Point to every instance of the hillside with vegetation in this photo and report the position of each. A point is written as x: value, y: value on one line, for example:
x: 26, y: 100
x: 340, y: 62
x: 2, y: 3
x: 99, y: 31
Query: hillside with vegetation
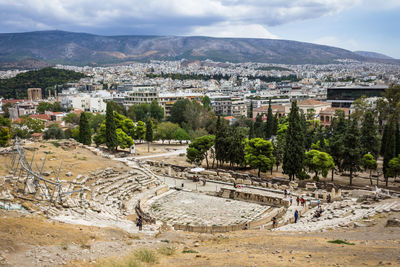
x: 59, y: 47
x: 47, y: 77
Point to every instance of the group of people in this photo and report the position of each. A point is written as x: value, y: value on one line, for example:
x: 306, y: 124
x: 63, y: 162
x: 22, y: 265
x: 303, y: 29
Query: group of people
x: 318, y: 212
x: 197, y: 179
x: 235, y: 185
x: 300, y: 200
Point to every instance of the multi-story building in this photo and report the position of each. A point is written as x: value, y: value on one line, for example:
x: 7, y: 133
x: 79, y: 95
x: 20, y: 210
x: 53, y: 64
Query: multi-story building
x: 228, y: 105
x: 345, y: 96
x: 141, y: 95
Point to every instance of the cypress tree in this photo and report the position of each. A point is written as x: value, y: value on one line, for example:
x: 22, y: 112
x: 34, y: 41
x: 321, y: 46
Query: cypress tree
x: 384, y: 138
x: 258, y: 125
x: 352, y: 149
x: 251, y: 131
x: 294, y: 153
x: 250, y: 115
x: 390, y: 148
x: 111, y: 135
x: 397, y: 139
x: 275, y: 126
x: 270, y: 122
x: 220, y: 142
x: 149, y: 133
x: 84, y: 130
x: 369, y: 135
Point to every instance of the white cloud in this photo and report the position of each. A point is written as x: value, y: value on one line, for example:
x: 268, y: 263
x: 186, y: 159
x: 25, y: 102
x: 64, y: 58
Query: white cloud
x: 208, y: 17
x: 350, y: 44
x: 226, y: 29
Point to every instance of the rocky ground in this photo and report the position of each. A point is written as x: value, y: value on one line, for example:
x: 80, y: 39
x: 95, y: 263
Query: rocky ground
x: 97, y: 226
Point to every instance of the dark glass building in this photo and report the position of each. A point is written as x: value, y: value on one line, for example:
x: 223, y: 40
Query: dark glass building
x: 344, y: 96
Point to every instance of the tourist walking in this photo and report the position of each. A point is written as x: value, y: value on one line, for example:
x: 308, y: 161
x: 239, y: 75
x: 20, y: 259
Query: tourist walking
x: 296, y: 216
x: 298, y: 200
x: 139, y: 223
x: 290, y: 200
x: 274, y: 222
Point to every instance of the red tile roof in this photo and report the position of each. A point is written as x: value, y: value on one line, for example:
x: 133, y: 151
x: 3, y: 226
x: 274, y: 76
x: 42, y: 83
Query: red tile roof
x: 45, y: 117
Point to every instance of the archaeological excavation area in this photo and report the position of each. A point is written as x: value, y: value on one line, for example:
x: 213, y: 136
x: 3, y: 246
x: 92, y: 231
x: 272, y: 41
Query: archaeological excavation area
x: 171, y: 200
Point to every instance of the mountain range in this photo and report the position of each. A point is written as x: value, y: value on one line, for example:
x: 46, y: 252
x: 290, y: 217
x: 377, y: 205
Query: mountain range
x: 43, y: 48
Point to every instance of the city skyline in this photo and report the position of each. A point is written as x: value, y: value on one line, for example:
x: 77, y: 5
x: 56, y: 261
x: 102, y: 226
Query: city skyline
x: 367, y: 25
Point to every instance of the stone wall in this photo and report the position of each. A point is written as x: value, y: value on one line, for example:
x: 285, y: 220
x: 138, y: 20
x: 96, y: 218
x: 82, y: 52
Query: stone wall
x: 251, y: 197
x: 229, y: 228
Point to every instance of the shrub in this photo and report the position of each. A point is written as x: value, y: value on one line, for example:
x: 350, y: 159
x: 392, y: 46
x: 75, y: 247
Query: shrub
x: 338, y: 241
x: 167, y: 250
x: 145, y: 255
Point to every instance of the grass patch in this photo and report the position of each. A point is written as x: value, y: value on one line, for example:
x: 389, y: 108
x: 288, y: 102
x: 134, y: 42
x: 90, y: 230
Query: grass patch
x: 338, y: 241
x: 85, y: 246
x: 134, y: 237
x: 189, y: 251
x: 145, y: 255
x: 83, y: 158
x: 165, y: 241
x: 64, y: 245
x: 167, y: 250
x: 56, y: 144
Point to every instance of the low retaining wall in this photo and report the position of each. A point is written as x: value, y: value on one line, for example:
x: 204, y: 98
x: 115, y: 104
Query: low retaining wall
x: 229, y: 228
x: 251, y: 197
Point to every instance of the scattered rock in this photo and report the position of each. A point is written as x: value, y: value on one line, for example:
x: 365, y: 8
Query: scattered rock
x: 393, y: 222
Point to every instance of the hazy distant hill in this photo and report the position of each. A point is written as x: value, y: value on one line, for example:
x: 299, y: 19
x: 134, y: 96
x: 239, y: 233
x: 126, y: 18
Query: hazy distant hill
x: 81, y: 48
x: 372, y: 55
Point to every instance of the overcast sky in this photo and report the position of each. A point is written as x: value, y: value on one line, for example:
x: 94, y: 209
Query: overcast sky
x: 371, y: 25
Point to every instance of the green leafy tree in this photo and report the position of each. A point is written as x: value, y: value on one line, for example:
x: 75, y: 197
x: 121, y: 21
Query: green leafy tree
x: 294, y: 149
x: 95, y: 121
x: 352, y: 149
x: 5, y: 108
x: 124, y: 123
x: 180, y: 134
x: 369, y: 135
x: 198, y: 150
x: 4, y: 135
x: 338, y: 132
x: 394, y: 167
x: 269, y: 125
x: 205, y: 100
x: 17, y: 86
x: 44, y: 106
x: 149, y: 133
x: 361, y: 107
x: 85, y: 134
x: 369, y: 163
x: 111, y: 136
x: 318, y: 162
x: 72, y: 133
x: 156, y: 111
x: 72, y: 118
x: 53, y: 132
x: 140, y: 131
x: 166, y: 131
x: 258, y: 153
x: 5, y: 122
x: 178, y: 111
x: 124, y: 140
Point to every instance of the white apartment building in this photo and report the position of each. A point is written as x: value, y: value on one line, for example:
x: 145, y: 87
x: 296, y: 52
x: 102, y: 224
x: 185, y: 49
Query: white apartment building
x: 87, y: 102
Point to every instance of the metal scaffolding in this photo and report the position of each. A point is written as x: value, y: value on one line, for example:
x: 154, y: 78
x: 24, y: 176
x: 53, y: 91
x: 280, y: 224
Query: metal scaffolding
x: 33, y: 181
